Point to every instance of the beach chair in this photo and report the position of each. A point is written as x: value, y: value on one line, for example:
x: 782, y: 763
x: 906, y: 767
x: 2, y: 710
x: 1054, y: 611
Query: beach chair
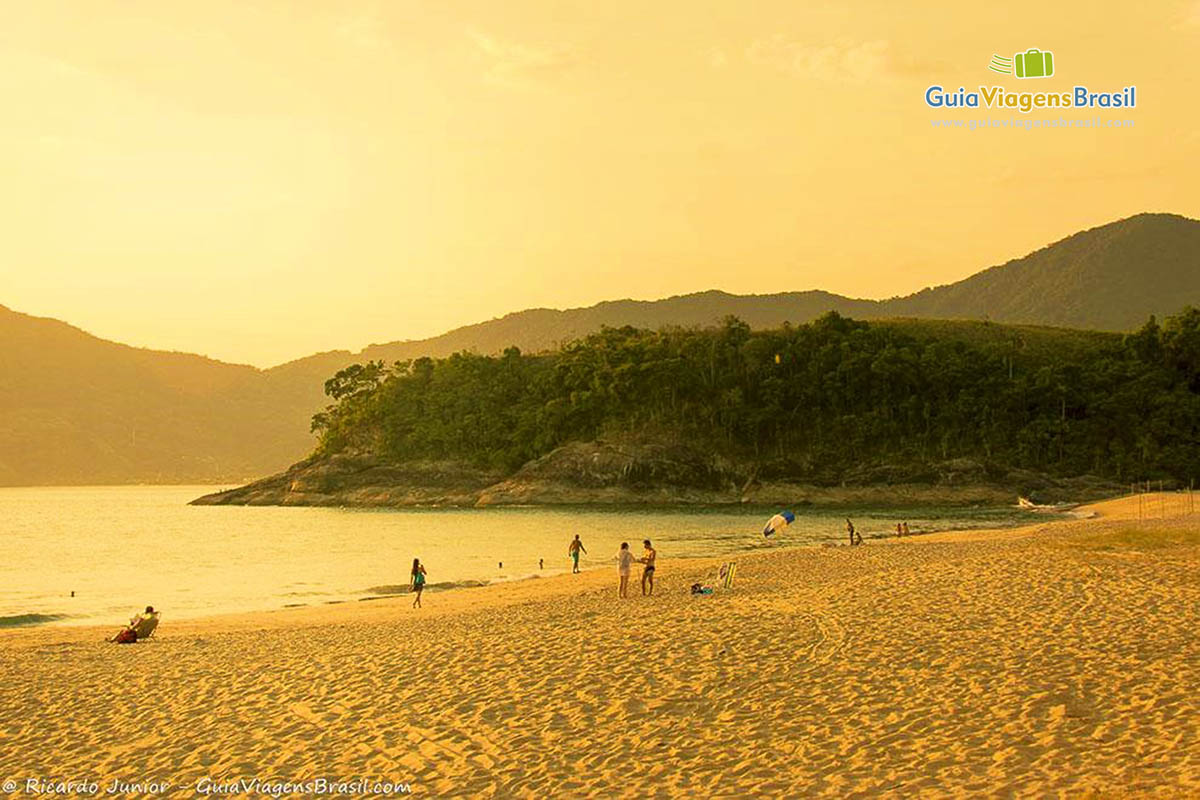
x: 145, y: 625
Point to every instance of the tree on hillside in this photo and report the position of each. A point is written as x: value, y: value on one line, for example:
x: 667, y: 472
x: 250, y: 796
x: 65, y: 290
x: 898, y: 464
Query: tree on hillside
x: 815, y: 402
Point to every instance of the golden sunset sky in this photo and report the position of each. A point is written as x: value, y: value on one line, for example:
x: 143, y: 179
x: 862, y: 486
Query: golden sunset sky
x: 257, y: 181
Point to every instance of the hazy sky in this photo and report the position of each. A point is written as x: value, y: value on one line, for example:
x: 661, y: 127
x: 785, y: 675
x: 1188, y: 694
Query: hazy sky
x: 257, y: 181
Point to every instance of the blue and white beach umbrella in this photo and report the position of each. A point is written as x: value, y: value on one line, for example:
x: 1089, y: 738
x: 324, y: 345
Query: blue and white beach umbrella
x: 778, y: 522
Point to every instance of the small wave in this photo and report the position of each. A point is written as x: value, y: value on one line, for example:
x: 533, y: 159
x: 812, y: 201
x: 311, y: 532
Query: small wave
x: 402, y: 588
x: 391, y: 588
x: 24, y: 620
x: 529, y: 576
x: 442, y: 585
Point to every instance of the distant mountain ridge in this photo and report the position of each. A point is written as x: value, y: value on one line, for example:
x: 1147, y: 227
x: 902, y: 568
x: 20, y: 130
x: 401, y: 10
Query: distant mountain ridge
x: 78, y: 409
x: 1107, y: 278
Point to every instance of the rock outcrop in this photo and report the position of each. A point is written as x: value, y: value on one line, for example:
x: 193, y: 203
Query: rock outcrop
x: 645, y: 472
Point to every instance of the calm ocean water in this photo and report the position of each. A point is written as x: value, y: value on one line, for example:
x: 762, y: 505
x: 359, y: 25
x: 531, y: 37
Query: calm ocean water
x: 121, y: 548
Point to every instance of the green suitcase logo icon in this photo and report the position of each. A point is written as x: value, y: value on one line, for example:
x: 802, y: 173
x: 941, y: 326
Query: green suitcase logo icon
x: 1034, y: 63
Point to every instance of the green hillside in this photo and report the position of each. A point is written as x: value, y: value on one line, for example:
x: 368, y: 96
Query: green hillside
x: 833, y: 400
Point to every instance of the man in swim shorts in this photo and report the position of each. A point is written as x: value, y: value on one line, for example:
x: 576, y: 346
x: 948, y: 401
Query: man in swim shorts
x: 576, y: 547
x: 648, y: 557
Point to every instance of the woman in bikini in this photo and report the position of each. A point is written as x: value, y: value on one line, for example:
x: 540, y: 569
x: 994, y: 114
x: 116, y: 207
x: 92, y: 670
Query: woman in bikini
x: 417, y: 581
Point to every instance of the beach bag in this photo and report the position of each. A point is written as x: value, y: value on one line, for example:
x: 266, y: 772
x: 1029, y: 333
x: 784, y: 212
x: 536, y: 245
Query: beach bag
x: 127, y: 636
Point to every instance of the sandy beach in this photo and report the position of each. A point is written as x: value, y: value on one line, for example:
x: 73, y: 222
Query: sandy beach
x: 1058, y: 659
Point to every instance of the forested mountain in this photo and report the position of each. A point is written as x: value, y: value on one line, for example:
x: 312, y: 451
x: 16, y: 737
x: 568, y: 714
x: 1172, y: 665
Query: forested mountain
x: 832, y: 401
x: 77, y: 409
x: 543, y: 329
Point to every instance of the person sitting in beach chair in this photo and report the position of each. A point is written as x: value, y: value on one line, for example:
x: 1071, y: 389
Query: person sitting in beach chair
x: 141, y: 626
x: 146, y: 623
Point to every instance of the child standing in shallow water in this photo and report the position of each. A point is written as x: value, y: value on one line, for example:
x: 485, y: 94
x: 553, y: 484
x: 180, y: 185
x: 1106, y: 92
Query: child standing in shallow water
x: 417, y: 582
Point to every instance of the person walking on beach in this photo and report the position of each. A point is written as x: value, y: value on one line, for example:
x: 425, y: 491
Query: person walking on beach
x: 574, y: 550
x: 624, y: 566
x: 855, y: 536
x: 906, y: 527
x: 899, y: 530
x: 417, y: 581
x: 648, y: 557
